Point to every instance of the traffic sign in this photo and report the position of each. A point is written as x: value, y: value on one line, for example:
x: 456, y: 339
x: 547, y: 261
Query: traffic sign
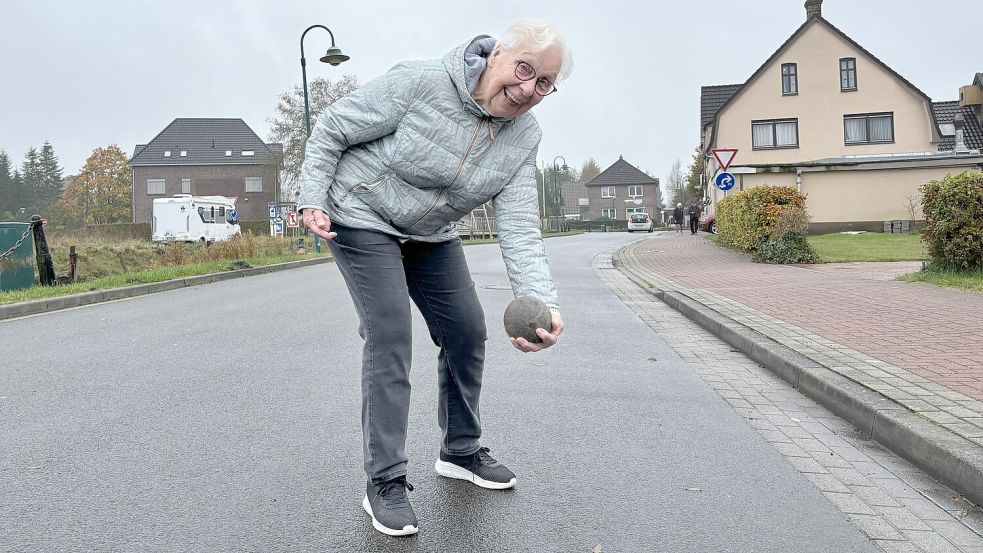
x: 272, y: 208
x: 292, y: 221
x: 724, y: 181
x: 725, y: 156
x: 232, y: 214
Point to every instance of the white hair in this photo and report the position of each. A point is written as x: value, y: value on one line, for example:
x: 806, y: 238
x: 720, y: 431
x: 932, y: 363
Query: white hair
x: 538, y: 36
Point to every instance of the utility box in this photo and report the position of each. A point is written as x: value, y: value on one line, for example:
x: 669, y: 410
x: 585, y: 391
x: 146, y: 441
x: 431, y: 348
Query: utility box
x: 17, y: 267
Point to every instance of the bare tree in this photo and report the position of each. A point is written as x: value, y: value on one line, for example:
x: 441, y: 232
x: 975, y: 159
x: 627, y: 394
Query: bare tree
x: 676, y: 184
x: 913, y: 206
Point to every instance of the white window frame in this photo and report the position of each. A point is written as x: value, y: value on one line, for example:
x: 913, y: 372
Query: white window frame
x: 228, y: 153
x: 633, y: 210
x: 167, y: 153
x: 632, y: 191
x: 773, y: 124
x: 153, y: 185
x: 184, y: 153
x: 609, y: 213
x: 185, y: 186
x: 247, y: 153
x: 608, y: 192
x: 253, y: 184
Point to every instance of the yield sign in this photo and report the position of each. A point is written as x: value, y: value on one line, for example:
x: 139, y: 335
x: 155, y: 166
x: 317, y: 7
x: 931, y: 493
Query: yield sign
x: 725, y: 156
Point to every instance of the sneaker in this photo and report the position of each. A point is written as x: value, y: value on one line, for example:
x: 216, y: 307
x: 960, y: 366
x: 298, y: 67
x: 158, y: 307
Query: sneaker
x: 390, y: 508
x: 479, y: 468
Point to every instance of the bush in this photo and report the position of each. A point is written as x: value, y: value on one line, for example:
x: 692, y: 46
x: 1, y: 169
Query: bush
x: 745, y: 219
x: 953, y: 209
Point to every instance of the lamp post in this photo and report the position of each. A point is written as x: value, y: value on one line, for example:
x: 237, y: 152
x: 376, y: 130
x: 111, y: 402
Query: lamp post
x: 333, y: 56
x: 558, y: 183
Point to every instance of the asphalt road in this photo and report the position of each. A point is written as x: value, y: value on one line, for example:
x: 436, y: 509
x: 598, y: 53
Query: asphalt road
x: 226, y: 418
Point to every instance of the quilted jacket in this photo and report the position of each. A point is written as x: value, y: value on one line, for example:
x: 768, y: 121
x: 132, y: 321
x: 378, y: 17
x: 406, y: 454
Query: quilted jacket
x: 410, y: 152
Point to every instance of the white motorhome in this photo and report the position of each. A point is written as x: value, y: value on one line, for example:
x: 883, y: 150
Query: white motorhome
x: 187, y: 218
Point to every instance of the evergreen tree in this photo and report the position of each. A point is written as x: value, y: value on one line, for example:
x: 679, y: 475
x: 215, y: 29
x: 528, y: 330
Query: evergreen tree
x: 694, y: 188
x: 49, y: 187
x: 30, y: 185
x: 6, y: 184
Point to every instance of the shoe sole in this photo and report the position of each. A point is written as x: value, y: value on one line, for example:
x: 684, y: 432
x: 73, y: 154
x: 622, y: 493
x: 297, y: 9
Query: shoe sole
x: 407, y: 530
x: 450, y: 470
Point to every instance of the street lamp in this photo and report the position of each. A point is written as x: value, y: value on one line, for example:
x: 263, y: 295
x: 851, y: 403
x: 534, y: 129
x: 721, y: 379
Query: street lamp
x: 333, y: 56
x: 558, y: 184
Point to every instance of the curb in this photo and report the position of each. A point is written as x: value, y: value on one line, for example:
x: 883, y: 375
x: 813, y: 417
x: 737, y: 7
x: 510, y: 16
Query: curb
x: 951, y: 459
x: 34, y: 307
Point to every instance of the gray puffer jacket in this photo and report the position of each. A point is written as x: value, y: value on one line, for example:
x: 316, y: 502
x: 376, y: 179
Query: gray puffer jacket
x: 411, y: 151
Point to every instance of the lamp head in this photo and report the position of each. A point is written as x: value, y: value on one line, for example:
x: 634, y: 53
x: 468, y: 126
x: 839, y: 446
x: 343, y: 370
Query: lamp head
x: 334, y: 56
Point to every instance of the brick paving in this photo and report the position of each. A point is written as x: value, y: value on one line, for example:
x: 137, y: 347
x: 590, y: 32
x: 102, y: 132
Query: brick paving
x: 895, y: 504
x: 915, y: 343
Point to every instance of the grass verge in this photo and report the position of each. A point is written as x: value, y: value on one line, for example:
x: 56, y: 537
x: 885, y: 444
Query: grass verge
x: 952, y: 279
x: 869, y: 246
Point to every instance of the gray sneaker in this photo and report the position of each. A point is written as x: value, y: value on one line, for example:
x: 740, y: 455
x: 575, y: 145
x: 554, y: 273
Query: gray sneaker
x: 390, y: 508
x: 479, y: 468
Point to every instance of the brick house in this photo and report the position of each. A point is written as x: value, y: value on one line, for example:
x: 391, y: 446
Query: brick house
x: 207, y: 157
x: 619, y: 191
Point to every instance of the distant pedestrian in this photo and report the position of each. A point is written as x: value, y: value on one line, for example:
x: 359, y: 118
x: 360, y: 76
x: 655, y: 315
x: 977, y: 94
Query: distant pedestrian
x: 677, y: 218
x: 694, y: 217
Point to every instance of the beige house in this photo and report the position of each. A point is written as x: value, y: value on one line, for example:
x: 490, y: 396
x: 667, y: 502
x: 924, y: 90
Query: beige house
x: 826, y: 116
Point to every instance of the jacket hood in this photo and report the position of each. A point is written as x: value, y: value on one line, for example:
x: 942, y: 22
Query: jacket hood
x: 457, y: 66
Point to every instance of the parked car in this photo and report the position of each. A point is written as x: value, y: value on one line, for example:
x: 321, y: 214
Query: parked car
x: 708, y: 223
x: 639, y: 221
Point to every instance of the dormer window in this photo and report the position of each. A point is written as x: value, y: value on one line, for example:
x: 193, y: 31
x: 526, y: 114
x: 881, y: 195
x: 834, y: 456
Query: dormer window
x: 247, y: 153
x: 228, y: 153
x: 848, y: 74
x: 184, y: 153
x: 167, y: 153
x: 790, y: 79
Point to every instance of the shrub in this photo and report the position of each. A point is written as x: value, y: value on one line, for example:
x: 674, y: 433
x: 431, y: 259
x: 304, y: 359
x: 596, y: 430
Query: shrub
x: 953, y: 209
x: 745, y: 220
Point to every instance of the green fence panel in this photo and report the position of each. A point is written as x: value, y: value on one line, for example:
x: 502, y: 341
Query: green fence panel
x: 16, y: 263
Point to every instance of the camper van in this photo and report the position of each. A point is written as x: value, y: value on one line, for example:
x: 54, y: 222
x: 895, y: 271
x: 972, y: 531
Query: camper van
x: 187, y: 218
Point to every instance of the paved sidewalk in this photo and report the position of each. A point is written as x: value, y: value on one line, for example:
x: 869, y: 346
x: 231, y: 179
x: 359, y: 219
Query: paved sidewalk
x: 917, y: 344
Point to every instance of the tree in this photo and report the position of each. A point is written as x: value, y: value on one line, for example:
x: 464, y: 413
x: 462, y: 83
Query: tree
x: 676, y: 184
x: 48, y: 187
x: 658, y: 190
x: 590, y: 170
x: 694, y: 177
x: 30, y: 179
x: 7, y: 204
x: 101, y: 193
x: 288, y: 125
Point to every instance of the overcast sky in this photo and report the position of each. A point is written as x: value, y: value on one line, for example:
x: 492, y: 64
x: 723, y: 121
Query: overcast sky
x: 87, y: 74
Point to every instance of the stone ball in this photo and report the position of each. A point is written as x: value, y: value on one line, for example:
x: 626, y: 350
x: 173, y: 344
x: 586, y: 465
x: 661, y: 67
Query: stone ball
x: 524, y: 315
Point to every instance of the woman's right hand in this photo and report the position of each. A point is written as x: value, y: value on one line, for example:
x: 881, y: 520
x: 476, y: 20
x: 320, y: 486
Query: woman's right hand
x: 319, y: 223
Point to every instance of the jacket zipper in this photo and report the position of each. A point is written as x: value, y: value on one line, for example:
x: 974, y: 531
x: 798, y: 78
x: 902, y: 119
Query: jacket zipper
x: 464, y: 158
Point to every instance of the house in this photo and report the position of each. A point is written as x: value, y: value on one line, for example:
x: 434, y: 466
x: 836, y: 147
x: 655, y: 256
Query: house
x: 619, y: 191
x: 826, y: 116
x: 207, y: 157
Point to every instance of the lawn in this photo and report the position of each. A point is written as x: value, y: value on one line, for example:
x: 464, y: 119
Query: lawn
x: 869, y: 246
x: 940, y: 277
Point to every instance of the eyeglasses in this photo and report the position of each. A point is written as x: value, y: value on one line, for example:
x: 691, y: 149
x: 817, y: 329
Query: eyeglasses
x: 525, y: 72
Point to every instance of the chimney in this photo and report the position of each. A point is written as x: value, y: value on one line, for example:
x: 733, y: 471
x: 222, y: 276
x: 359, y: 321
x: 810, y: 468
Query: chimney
x: 814, y: 8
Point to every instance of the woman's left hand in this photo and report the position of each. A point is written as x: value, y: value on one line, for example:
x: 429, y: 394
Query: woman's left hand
x: 548, y: 338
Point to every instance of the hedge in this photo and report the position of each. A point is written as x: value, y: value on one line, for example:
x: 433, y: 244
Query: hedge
x: 953, y: 230
x: 768, y: 222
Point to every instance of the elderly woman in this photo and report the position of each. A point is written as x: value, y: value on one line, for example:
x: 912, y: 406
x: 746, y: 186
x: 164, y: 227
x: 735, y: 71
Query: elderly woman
x: 387, y: 171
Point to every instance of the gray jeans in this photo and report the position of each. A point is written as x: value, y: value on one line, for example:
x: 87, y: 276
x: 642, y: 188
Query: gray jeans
x: 382, y: 275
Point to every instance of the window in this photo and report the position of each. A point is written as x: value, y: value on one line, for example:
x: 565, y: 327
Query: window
x: 869, y: 128
x: 947, y: 129
x: 848, y: 74
x: 779, y: 133
x: 247, y: 153
x: 635, y: 191
x: 155, y: 186
x: 609, y: 213
x: 228, y: 153
x: 184, y: 153
x: 207, y: 214
x: 607, y: 192
x: 167, y: 153
x: 254, y: 184
x: 632, y: 210
x: 790, y: 79
x: 185, y: 186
